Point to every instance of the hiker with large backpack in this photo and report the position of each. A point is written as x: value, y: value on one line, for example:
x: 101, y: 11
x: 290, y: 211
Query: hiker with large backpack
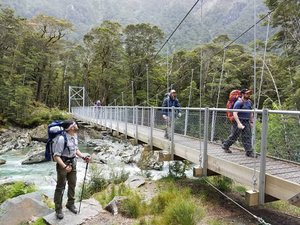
x: 242, y: 122
x: 65, y: 152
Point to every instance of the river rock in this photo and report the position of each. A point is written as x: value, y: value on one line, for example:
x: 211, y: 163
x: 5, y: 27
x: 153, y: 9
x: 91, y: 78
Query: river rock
x: 35, y: 158
x: 2, y: 161
x: 150, y: 160
x: 135, y: 182
x: 113, y: 205
x: 39, y: 133
x: 89, y: 209
x: 22, y: 208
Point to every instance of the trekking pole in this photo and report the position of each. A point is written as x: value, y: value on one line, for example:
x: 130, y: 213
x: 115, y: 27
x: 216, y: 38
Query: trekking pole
x: 86, y: 168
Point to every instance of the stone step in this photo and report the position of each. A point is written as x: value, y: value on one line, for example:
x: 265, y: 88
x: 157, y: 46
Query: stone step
x: 89, y: 209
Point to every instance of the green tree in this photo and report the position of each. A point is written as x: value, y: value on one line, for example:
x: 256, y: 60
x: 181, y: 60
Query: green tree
x: 141, y: 41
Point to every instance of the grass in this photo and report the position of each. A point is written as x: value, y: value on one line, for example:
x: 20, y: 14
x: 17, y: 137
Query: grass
x: 284, y: 207
x: 14, y: 190
x: 39, y: 221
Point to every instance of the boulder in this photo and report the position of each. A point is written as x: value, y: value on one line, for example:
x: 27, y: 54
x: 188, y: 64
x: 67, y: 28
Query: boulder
x: 35, y: 158
x: 150, y: 160
x: 22, y: 208
x: 89, y: 209
x: 2, y: 161
x: 135, y: 182
x: 39, y: 133
x: 113, y: 205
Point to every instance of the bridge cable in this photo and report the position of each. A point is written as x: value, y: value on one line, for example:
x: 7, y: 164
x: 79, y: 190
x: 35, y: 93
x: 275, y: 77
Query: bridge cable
x: 173, y: 32
x: 233, y: 41
x: 259, y: 219
x: 170, y: 36
x: 264, y: 59
x: 238, y: 37
x: 214, y: 117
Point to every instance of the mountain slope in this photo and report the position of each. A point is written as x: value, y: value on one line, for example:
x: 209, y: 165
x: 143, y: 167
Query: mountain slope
x: 230, y: 17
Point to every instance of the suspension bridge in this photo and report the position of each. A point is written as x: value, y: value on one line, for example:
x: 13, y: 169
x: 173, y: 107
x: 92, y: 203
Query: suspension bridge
x: 197, y: 136
x: 269, y: 177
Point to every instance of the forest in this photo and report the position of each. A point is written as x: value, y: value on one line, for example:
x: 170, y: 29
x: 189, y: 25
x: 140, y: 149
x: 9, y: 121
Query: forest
x: 38, y: 63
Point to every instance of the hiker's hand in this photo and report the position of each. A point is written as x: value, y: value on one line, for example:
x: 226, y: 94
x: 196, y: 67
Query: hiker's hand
x: 165, y: 117
x: 241, y: 126
x: 87, y: 159
x: 179, y: 115
x: 68, y: 168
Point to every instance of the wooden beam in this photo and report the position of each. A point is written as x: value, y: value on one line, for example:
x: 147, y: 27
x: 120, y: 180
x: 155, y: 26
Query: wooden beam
x: 252, y: 197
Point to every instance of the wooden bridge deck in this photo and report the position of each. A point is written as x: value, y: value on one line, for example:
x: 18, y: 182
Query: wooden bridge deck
x: 282, y: 177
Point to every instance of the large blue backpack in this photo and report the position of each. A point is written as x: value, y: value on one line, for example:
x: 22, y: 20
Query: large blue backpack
x: 54, y: 129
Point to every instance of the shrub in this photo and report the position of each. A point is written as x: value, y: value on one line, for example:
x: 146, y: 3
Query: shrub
x: 14, y: 190
x: 182, y: 212
x: 177, y: 169
x: 166, y: 197
x: 222, y: 183
x: 133, y: 207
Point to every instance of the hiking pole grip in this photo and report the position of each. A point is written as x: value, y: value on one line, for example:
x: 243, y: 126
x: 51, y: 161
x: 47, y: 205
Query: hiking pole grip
x: 86, y: 168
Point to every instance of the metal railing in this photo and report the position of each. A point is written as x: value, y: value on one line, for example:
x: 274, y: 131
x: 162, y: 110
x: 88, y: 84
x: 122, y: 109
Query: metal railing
x: 277, y: 133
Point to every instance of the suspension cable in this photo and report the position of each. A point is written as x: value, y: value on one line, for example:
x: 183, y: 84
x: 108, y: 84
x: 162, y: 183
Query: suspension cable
x: 170, y: 36
x: 259, y: 219
x: 264, y: 59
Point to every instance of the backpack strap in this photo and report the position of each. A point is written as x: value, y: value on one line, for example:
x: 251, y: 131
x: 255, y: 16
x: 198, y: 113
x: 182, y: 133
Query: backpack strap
x: 66, y: 141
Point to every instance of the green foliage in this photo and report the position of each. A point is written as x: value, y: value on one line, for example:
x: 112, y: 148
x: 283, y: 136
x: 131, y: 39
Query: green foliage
x: 133, y: 207
x: 224, y: 184
x: 14, y: 190
x: 100, y: 182
x: 177, y: 169
x: 166, y: 196
x: 39, y: 221
x: 105, y: 196
x: 182, y: 212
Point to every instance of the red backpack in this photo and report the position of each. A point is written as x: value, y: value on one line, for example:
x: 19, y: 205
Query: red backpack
x: 233, y: 97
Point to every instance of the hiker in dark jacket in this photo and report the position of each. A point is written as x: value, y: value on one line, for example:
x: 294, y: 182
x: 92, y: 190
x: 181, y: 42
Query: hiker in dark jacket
x: 66, y: 159
x: 169, y: 102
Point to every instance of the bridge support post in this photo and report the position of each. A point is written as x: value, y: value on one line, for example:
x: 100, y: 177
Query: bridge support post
x: 186, y: 121
x: 117, y: 118
x: 263, y: 155
x: 126, y: 119
x: 172, y: 132
x: 111, y: 114
x: 136, y: 123
x: 151, y: 127
x: 204, y: 154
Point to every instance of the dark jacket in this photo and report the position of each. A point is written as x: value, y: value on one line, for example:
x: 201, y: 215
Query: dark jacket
x: 169, y: 102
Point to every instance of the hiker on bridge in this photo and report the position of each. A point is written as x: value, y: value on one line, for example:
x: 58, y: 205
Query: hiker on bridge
x: 168, y: 103
x: 242, y: 124
x: 66, y: 157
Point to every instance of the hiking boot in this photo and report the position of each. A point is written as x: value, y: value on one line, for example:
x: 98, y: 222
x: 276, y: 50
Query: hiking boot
x: 59, y: 214
x: 250, y: 154
x: 166, y: 136
x: 226, y: 150
x: 72, y: 208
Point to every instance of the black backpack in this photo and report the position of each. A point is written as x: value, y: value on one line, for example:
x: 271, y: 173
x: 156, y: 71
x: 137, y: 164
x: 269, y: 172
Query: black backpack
x: 54, y: 129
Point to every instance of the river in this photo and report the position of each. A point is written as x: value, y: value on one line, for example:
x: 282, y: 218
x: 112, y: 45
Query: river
x: 43, y: 175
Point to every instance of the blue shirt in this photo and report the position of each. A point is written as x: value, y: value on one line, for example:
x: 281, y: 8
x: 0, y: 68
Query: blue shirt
x: 240, y: 104
x: 59, y: 143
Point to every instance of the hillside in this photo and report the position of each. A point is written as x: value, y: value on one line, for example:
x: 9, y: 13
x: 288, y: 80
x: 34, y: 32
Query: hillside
x: 218, y: 17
